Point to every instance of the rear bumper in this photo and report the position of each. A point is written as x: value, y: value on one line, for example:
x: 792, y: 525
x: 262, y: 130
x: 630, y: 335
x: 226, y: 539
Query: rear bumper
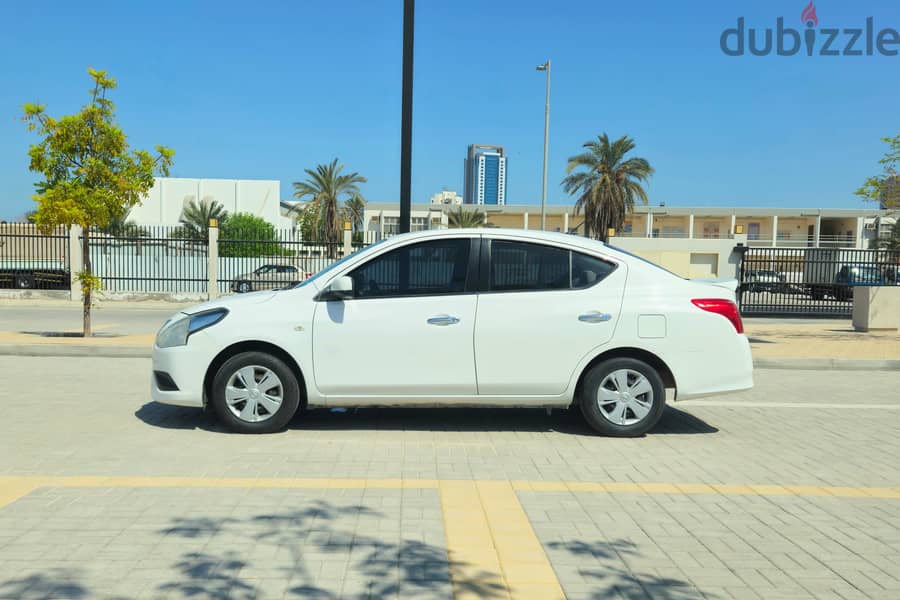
x: 726, y: 369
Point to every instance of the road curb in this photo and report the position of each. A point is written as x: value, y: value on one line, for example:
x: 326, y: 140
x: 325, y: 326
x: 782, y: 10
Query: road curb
x: 827, y: 364
x: 94, y: 351
x: 104, y: 351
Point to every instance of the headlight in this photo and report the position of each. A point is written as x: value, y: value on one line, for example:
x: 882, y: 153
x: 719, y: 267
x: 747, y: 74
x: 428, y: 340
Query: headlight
x: 177, y: 331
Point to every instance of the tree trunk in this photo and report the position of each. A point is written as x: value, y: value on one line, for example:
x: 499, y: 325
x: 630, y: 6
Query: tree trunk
x: 86, y: 290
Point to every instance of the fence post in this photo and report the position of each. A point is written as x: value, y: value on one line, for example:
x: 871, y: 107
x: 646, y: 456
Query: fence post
x: 76, y: 263
x: 348, y: 239
x: 212, y: 269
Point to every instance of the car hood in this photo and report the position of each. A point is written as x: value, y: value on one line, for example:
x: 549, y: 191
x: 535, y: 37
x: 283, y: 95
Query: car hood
x: 233, y: 301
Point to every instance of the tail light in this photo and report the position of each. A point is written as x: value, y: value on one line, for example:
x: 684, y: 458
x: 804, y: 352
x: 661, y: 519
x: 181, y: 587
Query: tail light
x: 721, y: 306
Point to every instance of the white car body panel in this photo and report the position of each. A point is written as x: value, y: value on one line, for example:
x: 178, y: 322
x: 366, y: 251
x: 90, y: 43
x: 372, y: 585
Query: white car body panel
x: 508, y: 349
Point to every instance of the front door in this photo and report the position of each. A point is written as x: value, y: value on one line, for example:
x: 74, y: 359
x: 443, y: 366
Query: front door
x: 408, y: 329
x: 545, y: 308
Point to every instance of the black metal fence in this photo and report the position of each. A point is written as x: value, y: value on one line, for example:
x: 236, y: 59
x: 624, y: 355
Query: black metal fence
x: 31, y: 259
x: 153, y: 259
x: 263, y: 258
x: 811, y: 282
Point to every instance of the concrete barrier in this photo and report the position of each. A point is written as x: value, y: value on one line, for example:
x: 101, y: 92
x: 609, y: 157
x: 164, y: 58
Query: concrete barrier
x: 876, y: 308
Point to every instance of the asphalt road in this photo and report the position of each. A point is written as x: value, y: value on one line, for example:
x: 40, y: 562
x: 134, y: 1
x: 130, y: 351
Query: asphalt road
x: 124, y: 320
x: 135, y: 319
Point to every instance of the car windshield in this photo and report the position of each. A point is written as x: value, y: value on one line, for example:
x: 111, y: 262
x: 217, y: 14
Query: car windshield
x: 335, y: 265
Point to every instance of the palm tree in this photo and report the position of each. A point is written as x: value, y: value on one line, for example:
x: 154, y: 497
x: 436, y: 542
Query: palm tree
x: 609, y: 185
x: 121, y: 226
x: 196, y: 216
x: 461, y: 218
x: 325, y: 186
x: 355, y: 209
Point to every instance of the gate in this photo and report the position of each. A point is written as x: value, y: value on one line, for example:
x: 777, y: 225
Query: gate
x: 810, y: 282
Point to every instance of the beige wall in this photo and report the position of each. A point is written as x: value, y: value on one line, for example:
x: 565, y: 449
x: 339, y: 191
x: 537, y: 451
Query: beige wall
x: 685, y: 257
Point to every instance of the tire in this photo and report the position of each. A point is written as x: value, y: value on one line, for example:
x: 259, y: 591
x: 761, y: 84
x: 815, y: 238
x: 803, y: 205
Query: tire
x: 243, y: 287
x: 632, y: 424
x: 817, y: 294
x: 25, y: 282
x: 253, y: 412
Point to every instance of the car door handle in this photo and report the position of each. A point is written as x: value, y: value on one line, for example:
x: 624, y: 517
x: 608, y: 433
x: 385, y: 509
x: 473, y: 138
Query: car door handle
x: 595, y: 317
x: 443, y: 320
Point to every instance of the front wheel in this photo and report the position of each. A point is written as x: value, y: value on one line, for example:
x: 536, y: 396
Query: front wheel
x: 622, y: 397
x: 255, y: 392
x: 243, y: 287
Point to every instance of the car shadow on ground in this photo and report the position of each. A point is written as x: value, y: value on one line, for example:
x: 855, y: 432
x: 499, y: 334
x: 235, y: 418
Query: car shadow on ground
x: 320, y: 549
x: 673, y: 421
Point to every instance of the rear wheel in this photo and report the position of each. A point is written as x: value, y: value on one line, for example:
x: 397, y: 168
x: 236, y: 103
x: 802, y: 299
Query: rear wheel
x: 25, y: 282
x: 622, y: 397
x: 254, y: 392
x: 244, y: 287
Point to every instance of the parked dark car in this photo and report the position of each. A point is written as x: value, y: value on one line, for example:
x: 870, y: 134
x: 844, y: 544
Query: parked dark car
x: 848, y: 277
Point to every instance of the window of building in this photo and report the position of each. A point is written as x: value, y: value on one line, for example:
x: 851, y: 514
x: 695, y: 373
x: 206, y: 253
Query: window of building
x: 423, y: 269
x: 519, y: 266
x: 711, y: 230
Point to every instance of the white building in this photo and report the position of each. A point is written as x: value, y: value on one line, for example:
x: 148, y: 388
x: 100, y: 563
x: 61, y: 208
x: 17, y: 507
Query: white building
x: 447, y: 198
x: 166, y: 200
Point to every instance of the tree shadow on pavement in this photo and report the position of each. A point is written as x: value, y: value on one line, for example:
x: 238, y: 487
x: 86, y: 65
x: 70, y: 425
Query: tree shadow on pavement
x: 605, y: 569
x: 375, y: 567
x: 54, y: 583
x: 673, y: 421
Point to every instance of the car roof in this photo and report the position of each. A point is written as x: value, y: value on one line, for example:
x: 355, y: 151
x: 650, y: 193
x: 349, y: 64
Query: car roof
x: 531, y: 234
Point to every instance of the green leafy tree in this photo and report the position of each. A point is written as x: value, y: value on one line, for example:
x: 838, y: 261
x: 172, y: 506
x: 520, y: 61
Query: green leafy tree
x: 325, y: 187
x: 244, y: 234
x: 607, y: 184
x: 30, y: 216
x: 884, y: 188
x: 307, y: 219
x: 196, y: 216
x: 461, y: 218
x: 89, y: 173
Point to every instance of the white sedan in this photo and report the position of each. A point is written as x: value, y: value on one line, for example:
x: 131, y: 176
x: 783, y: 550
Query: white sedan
x: 461, y: 318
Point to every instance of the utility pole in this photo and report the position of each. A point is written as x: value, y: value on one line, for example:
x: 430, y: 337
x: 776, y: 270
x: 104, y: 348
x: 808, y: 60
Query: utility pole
x: 545, y: 67
x: 409, y: 9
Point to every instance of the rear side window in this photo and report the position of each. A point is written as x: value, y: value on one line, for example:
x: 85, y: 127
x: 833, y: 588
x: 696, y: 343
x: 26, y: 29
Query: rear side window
x: 423, y: 269
x: 522, y: 266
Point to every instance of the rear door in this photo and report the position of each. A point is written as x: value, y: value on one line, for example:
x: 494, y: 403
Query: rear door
x: 543, y: 308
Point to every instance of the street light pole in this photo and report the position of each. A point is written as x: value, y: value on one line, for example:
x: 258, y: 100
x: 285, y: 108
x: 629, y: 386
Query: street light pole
x: 545, y: 67
x: 409, y: 7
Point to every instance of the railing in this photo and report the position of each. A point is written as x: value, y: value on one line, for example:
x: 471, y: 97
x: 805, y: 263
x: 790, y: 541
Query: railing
x: 265, y: 258
x: 155, y: 259
x: 812, y: 281
x: 32, y: 259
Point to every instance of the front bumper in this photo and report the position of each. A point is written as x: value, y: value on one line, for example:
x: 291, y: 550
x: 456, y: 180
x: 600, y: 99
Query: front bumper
x: 186, y: 366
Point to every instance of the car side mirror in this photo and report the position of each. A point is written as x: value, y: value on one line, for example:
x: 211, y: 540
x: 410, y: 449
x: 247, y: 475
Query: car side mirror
x: 339, y: 289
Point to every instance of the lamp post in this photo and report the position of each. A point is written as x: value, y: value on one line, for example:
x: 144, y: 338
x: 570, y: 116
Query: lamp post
x: 545, y: 67
x: 409, y: 7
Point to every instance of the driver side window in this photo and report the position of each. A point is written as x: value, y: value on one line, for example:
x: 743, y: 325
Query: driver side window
x: 425, y: 269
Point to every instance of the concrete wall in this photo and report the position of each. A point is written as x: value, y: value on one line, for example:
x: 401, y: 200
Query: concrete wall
x: 167, y: 198
x: 684, y: 257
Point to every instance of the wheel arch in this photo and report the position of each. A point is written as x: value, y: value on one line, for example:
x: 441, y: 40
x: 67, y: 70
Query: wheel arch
x: 254, y: 346
x: 627, y: 352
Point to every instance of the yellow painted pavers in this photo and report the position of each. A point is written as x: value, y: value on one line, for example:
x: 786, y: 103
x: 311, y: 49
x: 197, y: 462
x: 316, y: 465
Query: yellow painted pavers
x: 491, y: 545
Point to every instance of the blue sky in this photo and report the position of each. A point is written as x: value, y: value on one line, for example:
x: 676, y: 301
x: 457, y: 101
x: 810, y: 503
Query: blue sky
x: 262, y: 90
